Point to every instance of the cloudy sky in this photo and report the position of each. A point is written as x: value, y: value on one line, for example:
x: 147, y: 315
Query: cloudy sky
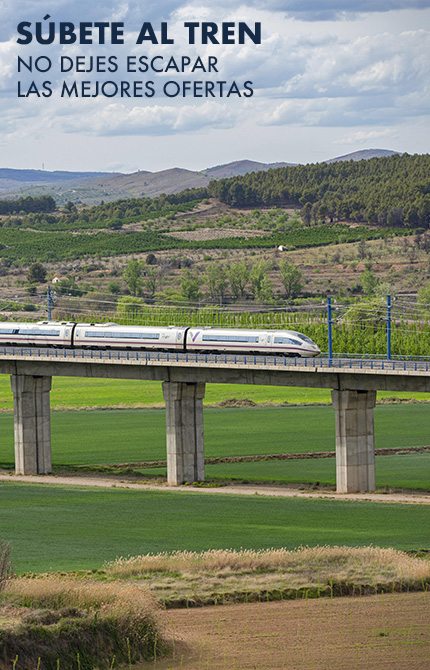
x: 330, y: 77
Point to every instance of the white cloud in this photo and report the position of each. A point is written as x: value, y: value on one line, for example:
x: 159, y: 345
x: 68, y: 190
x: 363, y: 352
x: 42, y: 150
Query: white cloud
x: 8, y: 55
x: 118, y: 119
x: 363, y: 137
x: 372, y: 80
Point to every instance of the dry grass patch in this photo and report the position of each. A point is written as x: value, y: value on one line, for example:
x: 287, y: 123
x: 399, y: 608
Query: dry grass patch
x: 185, y: 578
x: 78, y: 623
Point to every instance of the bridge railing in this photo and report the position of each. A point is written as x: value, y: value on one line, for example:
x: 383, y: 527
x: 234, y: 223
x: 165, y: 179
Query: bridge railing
x: 230, y: 360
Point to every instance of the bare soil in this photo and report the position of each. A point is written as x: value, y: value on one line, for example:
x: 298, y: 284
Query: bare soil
x: 202, y: 234
x: 407, y: 497
x: 367, y: 633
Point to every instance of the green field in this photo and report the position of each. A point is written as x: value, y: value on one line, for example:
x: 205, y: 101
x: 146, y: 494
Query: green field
x: 400, y: 471
x: 65, y: 528
x: 116, y: 436
x: 89, y: 392
x: 122, y: 436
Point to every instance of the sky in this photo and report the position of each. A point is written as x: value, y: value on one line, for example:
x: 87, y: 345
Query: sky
x: 329, y: 78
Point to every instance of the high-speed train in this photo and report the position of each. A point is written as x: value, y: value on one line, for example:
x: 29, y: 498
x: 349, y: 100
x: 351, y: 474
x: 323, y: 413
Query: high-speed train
x: 172, y: 338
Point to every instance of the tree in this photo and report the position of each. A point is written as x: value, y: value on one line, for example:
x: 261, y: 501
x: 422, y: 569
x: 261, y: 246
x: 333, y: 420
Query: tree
x: 37, y: 273
x: 423, y: 295
x: 132, y: 276
x: 261, y: 284
x: 291, y: 278
x: 362, y: 249
x: 114, y: 287
x: 238, y: 276
x: 322, y: 212
x: 190, y: 286
x: 152, y: 281
x: 151, y: 259
x: 68, y: 286
x: 369, y: 281
x: 216, y: 281
x: 306, y: 213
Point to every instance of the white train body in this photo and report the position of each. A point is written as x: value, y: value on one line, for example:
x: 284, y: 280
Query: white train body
x: 112, y: 336
x: 145, y: 338
x: 229, y: 340
x: 42, y: 334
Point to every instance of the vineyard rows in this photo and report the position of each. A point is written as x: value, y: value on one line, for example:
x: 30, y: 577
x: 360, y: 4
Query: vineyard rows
x: 29, y: 246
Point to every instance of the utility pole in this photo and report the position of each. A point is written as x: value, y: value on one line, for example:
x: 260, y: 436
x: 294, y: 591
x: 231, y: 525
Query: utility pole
x: 49, y: 303
x: 388, y: 327
x: 330, y: 341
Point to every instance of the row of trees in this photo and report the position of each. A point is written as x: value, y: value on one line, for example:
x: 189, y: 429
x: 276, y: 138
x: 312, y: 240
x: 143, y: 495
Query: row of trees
x: 43, y: 203
x: 392, y: 191
x: 219, y: 283
x: 235, y: 281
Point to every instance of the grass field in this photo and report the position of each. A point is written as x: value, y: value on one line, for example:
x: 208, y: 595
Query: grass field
x: 105, y: 437
x: 65, y: 528
x: 89, y: 392
x: 401, y: 471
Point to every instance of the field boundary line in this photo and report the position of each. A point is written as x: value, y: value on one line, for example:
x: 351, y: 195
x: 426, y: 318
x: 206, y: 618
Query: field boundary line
x: 272, y: 491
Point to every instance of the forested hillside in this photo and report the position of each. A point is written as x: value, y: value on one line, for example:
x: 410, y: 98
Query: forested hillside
x: 27, y: 205
x: 391, y: 191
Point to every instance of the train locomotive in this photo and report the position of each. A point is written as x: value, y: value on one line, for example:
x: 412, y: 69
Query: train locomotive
x: 72, y: 335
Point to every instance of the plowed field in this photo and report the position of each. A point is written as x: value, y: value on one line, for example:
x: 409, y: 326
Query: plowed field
x: 368, y: 633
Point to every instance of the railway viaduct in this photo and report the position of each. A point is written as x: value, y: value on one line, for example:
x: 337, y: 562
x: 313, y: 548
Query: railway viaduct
x: 353, y: 385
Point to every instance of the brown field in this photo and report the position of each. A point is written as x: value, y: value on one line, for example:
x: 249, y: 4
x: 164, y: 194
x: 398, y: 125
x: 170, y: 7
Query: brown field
x: 367, y: 633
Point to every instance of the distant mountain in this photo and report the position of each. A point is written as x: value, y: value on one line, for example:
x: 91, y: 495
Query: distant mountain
x: 12, y: 180
x: 365, y: 154
x: 151, y: 184
x: 34, y: 176
x: 240, y: 168
x: 92, y: 187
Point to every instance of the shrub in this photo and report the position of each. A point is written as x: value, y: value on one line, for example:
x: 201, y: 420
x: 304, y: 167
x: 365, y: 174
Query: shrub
x: 5, y: 564
x: 79, y: 624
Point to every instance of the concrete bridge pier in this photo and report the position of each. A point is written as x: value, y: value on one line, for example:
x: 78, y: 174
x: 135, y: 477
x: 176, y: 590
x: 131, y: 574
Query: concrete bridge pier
x: 355, y: 440
x: 184, y: 432
x: 32, y: 422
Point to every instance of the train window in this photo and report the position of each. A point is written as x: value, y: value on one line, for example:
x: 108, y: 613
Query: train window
x: 34, y: 331
x: 269, y: 338
x: 7, y: 331
x: 287, y: 340
x: 77, y: 333
x: 230, y: 338
x: 125, y: 335
x: 179, y: 336
x: 67, y: 332
x: 305, y: 338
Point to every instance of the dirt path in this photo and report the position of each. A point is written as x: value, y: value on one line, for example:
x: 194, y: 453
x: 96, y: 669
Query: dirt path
x: 282, y: 492
x: 368, y: 633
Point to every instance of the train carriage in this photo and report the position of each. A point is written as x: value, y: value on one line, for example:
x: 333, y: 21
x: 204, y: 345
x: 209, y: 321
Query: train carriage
x: 275, y: 342
x: 113, y: 336
x: 41, y: 334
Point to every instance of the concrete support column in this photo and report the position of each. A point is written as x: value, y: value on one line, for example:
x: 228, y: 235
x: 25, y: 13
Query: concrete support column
x: 355, y: 440
x: 184, y: 431
x: 32, y: 424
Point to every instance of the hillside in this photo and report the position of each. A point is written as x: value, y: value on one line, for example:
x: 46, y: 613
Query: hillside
x: 365, y: 154
x: 387, y: 191
x: 240, y: 168
x: 12, y: 180
x: 151, y: 184
x: 92, y: 187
